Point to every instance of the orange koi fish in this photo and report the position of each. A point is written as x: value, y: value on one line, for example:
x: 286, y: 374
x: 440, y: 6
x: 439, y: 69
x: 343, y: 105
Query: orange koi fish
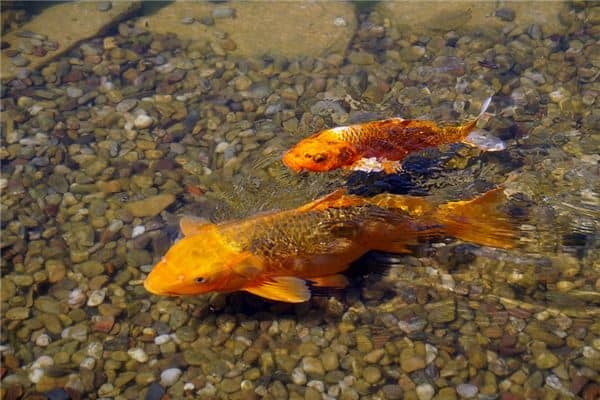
x: 381, y: 145
x: 280, y: 255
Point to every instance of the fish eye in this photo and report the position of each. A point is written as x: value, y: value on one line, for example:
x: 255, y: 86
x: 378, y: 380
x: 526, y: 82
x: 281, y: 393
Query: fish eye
x: 199, y: 280
x: 320, y: 157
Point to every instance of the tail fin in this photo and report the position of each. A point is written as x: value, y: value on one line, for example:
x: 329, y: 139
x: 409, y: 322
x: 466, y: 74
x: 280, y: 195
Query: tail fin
x: 479, y: 220
x: 484, y: 107
x: 480, y: 138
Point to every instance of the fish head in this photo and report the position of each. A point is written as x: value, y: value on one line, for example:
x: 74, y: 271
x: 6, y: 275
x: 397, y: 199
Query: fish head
x: 201, y: 263
x: 320, y: 154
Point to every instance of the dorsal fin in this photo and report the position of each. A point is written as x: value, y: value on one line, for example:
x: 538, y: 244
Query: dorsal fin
x: 191, y: 225
x: 323, y: 200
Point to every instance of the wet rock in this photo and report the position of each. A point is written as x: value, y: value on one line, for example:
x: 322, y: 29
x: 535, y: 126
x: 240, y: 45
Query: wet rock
x: 155, y: 392
x: 392, y: 392
x: 143, y: 121
x: 150, y: 206
x: 467, y: 390
x: 441, y: 312
x: 169, y: 376
x: 85, y: 21
x: 546, y: 360
x: 288, y: 29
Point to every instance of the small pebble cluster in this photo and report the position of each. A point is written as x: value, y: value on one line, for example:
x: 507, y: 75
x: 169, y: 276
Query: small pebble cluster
x: 104, y: 148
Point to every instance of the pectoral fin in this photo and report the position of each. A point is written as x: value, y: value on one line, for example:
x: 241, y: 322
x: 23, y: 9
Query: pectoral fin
x: 282, y: 288
x: 192, y: 225
x: 336, y: 281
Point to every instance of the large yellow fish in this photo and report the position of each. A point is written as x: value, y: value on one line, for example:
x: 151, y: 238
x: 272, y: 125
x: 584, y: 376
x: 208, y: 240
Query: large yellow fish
x: 279, y: 255
x: 381, y: 145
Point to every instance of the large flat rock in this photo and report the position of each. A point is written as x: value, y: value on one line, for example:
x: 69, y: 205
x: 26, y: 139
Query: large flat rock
x: 422, y: 17
x: 66, y: 24
x: 257, y: 28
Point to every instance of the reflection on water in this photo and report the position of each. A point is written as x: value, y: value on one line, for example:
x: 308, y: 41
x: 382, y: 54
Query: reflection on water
x: 106, y: 146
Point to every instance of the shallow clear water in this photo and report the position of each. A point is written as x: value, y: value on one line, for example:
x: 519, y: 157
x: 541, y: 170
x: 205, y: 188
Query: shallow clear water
x: 195, y: 122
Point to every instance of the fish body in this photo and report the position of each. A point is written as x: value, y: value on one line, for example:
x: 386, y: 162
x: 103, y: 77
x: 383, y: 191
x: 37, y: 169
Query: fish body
x: 388, y: 142
x: 279, y: 255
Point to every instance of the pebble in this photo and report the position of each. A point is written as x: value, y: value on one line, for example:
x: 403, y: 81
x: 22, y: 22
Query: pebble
x: 298, y: 376
x: 126, y: 105
x: 425, y: 391
x: 137, y: 231
x: 143, y: 121
x: 138, y: 354
x: 546, y: 360
x: 150, y: 206
x: 43, y: 340
x: 74, y: 92
x: 19, y: 61
x: 96, y: 298
x: 467, y: 390
x: 313, y: 366
x: 187, y: 20
x: 169, y: 376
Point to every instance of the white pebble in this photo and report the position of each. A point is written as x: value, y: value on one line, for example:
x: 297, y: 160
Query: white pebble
x: 221, y: 147
x: 96, y: 297
x: 298, y: 376
x: 42, y: 362
x: 208, y: 390
x: 162, y: 339
x: 467, y: 390
x: 430, y: 353
x: 43, y: 340
x: 188, y: 386
x: 315, y: 384
x: 143, y: 121
x: 169, y: 376
x: 137, y: 231
x: 340, y: 21
x: 87, y: 363
x: 138, y: 354
x: 36, y: 375
x: 246, y: 385
x: 76, y: 298
x: 425, y: 391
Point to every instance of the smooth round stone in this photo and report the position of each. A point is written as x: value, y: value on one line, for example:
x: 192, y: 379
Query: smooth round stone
x: 138, y: 355
x: 312, y: 366
x: 143, y: 121
x: 546, y: 360
x: 425, y: 391
x: 169, y: 376
x: 74, y: 92
x: 96, y: 297
x: 126, y: 105
x: 392, y: 392
x: 43, y: 340
x: 19, y: 61
x: 467, y: 390
x: 298, y: 376
x: 372, y: 374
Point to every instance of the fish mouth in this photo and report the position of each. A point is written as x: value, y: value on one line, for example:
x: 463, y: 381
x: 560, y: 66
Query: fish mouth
x: 150, y: 284
x: 290, y: 162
